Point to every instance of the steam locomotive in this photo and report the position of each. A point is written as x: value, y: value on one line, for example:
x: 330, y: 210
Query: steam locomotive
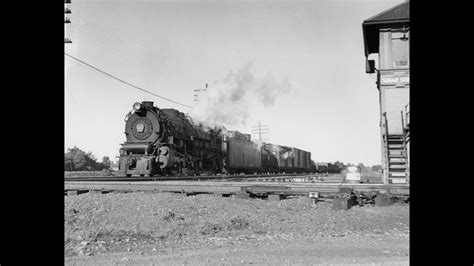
x: 166, y: 142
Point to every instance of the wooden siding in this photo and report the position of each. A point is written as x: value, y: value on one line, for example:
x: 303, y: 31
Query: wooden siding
x: 394, y: 101
x: 385, y: 46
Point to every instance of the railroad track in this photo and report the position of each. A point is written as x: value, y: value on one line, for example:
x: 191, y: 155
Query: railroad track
x: 232, y: 187
x: 194, y: 178
x: 255, y: 177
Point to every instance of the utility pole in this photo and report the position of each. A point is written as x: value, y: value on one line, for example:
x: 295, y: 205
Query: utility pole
x: 67, y: 20
x: 260, y: 129
x: 197, y: 92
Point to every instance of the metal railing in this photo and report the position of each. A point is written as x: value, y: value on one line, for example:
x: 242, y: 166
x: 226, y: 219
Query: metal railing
x: 403, y: 124
x: 385, y: 140
x: 406, y: 139
x: 407, y: 114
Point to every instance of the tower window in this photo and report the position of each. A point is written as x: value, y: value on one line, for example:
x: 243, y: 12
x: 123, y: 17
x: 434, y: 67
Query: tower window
x: 400, y: 49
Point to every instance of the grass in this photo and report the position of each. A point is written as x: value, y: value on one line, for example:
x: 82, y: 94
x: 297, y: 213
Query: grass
x: 104, y: 172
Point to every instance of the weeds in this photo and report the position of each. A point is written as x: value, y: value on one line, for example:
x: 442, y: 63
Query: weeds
x: 211, y: 228
x: 169, y: 216
x: 238, y: 224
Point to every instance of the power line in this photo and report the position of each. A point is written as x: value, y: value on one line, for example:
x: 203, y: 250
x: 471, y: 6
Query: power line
x: 103, y: 72
x: 96, y: 40
x: 100, y: 39
x: 105, y: 33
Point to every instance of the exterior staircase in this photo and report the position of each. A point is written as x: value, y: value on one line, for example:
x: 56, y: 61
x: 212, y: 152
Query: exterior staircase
x: 396, y: 159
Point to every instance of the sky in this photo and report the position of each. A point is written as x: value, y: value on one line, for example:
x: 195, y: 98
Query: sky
x: 329, y: 107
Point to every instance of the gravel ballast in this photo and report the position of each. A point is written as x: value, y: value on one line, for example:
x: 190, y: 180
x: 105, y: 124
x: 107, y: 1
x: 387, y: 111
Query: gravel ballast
x: 148, y: 223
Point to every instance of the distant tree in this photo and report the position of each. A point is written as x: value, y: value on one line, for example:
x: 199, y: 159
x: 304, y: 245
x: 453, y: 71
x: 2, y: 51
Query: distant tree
x: 377, y: 168
x: 68, y: 162
x: 91, y: 156
x: 106, y: 162
x: 363, y: 168
x: 336, y: 167
x: 79, y: 159
x: 76, y: 159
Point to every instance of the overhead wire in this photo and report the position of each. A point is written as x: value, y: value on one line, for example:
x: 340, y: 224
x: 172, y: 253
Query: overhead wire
x: 97, y: 40
x: 100, y: 39
x: 125, y: 82
x: 106, y: 34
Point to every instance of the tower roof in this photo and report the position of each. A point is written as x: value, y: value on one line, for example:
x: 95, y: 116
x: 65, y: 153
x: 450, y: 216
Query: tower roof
x: 398, y: 15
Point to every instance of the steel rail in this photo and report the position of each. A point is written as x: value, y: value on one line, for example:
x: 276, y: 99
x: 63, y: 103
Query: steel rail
x: 234, y: 187
x: 201, y: 177
x: 273, y: 177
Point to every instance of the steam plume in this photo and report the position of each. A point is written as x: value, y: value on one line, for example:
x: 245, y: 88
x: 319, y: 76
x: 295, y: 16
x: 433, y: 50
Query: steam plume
x: 226, y: 103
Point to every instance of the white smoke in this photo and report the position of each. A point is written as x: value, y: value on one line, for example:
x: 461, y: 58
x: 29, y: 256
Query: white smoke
x: 226, y: 103
x: 257, y: 144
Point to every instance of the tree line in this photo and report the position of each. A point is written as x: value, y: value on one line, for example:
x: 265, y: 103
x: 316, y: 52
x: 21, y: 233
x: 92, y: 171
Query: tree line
x: 76, y: 159
x: 340, y: 166
x: 366, y: 169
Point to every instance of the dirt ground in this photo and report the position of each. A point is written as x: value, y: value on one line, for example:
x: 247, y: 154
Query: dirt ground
x: 394, y: 252
x: 173, y: 229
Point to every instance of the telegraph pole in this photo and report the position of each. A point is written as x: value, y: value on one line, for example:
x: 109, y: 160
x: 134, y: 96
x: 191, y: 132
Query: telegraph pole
x: 67, y: 20
x: 197, y: 92
x: 260, y: 129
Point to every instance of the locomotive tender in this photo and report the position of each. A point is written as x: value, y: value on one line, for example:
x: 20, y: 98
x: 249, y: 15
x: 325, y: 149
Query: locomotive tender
x: 166, y: 142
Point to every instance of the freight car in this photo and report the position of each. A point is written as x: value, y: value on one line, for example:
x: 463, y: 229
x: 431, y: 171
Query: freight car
x: 328, y: 168
x: 243, y: 154
x: 166, y: 142
x: 277, y: 159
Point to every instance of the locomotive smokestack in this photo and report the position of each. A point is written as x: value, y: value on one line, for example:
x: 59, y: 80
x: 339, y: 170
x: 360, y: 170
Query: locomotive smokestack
x: 147, y: 104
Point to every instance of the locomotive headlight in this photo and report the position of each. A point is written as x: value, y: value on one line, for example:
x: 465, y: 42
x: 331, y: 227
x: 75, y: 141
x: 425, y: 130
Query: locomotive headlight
x: 137, y: 106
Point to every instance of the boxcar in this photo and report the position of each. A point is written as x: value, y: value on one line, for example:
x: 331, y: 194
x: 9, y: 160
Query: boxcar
x: 285, y: 158
x: 269, y: 158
